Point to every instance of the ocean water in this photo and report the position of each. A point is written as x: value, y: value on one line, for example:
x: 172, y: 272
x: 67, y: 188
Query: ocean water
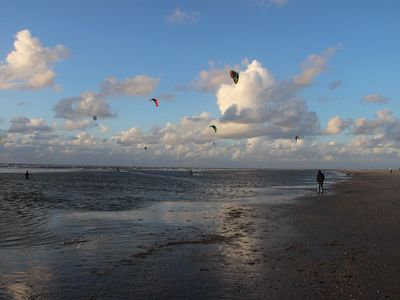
x: 27, y: 205
x: 95, y: 233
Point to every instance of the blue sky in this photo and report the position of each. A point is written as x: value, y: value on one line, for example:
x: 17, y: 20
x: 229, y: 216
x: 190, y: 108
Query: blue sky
x: 170, y: 42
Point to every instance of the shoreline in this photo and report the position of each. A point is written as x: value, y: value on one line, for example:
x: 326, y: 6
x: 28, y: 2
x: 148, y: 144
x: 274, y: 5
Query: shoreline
x: 343, y: 244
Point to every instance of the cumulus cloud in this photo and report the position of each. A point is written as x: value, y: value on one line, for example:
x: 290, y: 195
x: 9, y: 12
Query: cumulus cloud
x: 127, y: 147
x: 385, y: 128
x: 179, y: 16
x: 26, y: 125
x: 87, y: 105
x: 212, y: 79
x: 258, y: 120
x: 335, y: 84
x: 375, y: 98
x: 78, y: 111
x: 385, y: 124
x: 189, y: 130
x: 209, y: 81
x: 104, y: 128
x: 128, y: 137
x: 30, y: 64
x: 78, y: 124
x: 263, y: 105
x: 364, y: 126
x: 83, y: 139
x: 313, y: 66
x: 336, y: 125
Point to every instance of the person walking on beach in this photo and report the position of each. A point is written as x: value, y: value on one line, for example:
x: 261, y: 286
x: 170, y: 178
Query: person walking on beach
x: 27, y: 175
x: 320, y: 180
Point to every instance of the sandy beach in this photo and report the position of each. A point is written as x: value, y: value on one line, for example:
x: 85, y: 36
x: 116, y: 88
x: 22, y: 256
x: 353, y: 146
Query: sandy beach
x: 341, y: 245
x: 348, y: 243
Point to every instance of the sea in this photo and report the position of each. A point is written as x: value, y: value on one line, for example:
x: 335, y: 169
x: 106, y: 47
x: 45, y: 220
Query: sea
x: 26, y: 205
x: 68, y: 221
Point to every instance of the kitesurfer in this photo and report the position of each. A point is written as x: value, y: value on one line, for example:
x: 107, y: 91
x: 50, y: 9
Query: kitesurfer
x: 155, y: 101
x: 234, y: 76
x: 213, y: 127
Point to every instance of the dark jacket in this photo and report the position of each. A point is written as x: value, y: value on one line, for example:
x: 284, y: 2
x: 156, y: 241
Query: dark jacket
x: 320, y: 177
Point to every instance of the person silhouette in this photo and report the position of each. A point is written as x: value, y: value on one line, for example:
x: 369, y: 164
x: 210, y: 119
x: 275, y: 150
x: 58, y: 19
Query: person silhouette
x: 27, y: 175
x: 320, y: 179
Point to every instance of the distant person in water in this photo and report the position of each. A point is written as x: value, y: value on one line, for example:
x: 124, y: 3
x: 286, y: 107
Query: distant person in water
x: 320, y: 180
x: 27, y: 175
x: 190, y: 172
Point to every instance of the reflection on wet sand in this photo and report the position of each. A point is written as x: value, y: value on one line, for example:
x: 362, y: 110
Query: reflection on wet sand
x: 215, y: 242
x: 98, y: 242
x: 29, y: 283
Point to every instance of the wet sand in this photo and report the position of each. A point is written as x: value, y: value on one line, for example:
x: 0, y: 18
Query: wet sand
x: 348, y: 245
x: 342, y: 245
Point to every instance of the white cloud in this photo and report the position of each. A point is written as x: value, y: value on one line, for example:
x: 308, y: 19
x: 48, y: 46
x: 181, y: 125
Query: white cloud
x: 78, y: 124
x: 313, y: 66
x: 167, y: 147
x: 104, y: 128
x: 129, y: 137
x: 79, y: 111
x: 262, y: 105
x: 385, y: 124
x: 85, y: 106
x: 209, y: 81
x: 26, y: 125
x: 179, y: 16
x: 212, y: 79
x: 30, y: 64
x: 375, y: 98
x: 189, y: 130
x: 336, y: 125
x: 259, y: 118
x: 84, y: 139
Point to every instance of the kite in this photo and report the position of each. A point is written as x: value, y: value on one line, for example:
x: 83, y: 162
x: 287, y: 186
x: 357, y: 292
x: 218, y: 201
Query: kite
x: 234, y: 76
x: 213, y: 127
x: 155, y: 101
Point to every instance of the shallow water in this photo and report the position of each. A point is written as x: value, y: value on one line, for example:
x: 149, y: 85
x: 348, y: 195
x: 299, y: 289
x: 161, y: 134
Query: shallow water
x: 26, y: 205
x: 66, y: 232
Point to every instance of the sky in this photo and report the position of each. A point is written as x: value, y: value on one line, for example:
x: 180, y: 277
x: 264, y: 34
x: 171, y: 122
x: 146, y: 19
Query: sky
x: 326, y: 71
